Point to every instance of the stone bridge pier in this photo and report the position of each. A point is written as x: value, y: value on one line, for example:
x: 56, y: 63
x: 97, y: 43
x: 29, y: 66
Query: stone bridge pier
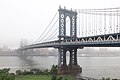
x: 72, y: 67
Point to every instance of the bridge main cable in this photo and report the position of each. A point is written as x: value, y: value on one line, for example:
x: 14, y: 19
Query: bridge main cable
x: 46, y: 28
x: 108, y: 11
x: 49, y: 31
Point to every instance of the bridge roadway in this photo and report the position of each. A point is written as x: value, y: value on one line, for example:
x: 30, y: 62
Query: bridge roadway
x: 107, y: 40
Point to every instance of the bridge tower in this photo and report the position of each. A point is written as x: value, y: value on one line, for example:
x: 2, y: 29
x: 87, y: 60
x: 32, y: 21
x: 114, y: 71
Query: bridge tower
x: 73, y: 66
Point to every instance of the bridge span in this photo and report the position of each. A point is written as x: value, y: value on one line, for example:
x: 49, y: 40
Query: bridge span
x: 71, y: 43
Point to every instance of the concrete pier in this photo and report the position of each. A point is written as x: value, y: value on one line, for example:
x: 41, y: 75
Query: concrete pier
x: 75, y: 69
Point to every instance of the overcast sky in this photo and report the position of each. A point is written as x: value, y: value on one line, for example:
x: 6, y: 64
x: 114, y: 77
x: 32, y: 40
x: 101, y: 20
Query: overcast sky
x: 26, y: 19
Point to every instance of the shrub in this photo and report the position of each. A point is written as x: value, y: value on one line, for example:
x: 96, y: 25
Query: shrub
x: 106, y: 78
x: 59, y: 78
x: 5, y: 75
x: 27, y: 72
x: 54, y: 77
x: 65, y: 79
x: 46, y: 72
x: 18, y: 72
x: 36, y: 71
x: 54, y: 70
x: 11, y: 76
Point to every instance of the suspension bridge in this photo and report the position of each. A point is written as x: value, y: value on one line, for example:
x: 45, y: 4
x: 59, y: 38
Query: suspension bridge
x: 70, y: 30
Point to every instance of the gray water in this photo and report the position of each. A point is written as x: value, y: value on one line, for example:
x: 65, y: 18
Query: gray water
x: 95, y: 67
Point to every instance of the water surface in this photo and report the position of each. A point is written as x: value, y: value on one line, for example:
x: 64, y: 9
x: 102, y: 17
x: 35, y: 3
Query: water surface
x: 95, y: 67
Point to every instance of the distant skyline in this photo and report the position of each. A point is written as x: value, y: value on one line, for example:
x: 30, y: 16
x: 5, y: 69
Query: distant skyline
x: 27, y: 19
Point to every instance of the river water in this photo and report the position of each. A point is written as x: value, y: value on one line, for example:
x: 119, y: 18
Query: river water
x: 94, y: 67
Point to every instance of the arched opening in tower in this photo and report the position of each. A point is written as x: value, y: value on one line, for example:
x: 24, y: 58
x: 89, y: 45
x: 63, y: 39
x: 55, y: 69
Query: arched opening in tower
x: 67, y: 26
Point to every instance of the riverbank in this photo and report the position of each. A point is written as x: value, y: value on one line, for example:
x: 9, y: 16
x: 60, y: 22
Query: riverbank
x: 40, y: 77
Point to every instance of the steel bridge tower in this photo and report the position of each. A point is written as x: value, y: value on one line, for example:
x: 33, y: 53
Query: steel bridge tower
x: 73, y: 66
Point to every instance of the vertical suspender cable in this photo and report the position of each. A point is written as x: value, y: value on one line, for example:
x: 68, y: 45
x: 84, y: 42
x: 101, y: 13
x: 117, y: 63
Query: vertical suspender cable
x: 114, y: 27
x: 96, y: 22
x: 100, y: 24
x: 86, y: 26
x: 117, y: 22
x: 110, y: 23
x: 94, y: 25
x: 104, y: 23
x: 83, y: 25
x: 89, y: 24
x: 79, y: 25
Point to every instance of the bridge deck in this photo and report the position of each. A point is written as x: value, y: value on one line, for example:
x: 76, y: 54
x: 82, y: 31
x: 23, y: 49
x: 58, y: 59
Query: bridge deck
x: 109, y: 40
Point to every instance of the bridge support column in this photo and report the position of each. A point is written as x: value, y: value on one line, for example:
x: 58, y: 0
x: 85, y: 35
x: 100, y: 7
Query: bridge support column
x: 75, y: 57
x: 72, y: 67
x: 62, y: 57
x: 62, y: 66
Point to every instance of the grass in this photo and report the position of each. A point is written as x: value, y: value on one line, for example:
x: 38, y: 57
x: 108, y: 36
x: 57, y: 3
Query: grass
x: 39, y: 77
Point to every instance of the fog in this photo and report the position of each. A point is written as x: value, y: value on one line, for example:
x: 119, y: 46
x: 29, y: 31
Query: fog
x: 27, y: 19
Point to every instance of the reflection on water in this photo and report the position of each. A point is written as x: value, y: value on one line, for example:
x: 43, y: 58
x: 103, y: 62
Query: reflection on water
x: 27, y: 62
x: 95, y: 67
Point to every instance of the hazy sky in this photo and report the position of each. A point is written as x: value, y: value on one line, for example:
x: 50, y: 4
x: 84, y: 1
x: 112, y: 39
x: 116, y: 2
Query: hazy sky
x: 26, y: 19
